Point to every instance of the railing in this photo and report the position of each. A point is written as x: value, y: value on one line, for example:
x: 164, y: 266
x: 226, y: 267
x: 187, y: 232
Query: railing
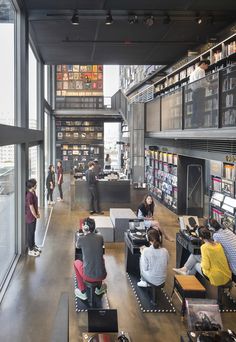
x: 83, y: 102
x: 206, y: 103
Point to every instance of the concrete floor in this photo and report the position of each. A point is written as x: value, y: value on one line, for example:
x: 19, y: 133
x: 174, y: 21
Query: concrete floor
x: 28, y: 309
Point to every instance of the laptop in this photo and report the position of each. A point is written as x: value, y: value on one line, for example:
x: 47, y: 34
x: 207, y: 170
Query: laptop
x: 102, y: 320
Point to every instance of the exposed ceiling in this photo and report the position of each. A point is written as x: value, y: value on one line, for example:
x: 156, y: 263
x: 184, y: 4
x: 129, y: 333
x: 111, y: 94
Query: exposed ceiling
x: 173, y: 32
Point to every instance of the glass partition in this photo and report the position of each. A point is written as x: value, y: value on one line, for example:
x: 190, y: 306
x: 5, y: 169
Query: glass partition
x: 171, y: 110
x: 228, y: 96
x: 201, y: 103
x: 7, y: 210
x: 7, y: 84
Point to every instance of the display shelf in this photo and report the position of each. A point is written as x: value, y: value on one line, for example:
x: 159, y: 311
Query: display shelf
x: 161, y: 177
x: 79, y: 141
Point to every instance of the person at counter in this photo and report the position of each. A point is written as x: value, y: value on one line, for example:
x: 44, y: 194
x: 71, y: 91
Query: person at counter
x: 92, y: 268
x: 153, y: 261
x: 212, y: 264
x: 93, y: 189
x: 107, y: 163
x: 97, y: 168
x: 145, y: 211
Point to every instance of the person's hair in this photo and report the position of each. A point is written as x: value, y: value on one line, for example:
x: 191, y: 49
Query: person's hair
x: 205, y: 233
x: 204, y: 61
x: 192, y: 221
x: 214, y: 224
x: 50, y: 167
x: 107, y: 157
x: 91, y: 163
x: 154, y: 236
x: 89, y: 222
x: 145, y: 202
x: 30, y: 183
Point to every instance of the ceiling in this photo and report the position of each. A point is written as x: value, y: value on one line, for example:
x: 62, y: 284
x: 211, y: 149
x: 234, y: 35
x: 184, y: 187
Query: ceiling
x: 93, y: 42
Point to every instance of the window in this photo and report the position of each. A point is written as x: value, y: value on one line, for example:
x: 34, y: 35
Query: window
x: 111, y: 137
x: 46, y: 68
x: 32, y: 90
x: 7, y: 210
x: 7, y: 103
x: 33, y: 163
x: 46, y: 141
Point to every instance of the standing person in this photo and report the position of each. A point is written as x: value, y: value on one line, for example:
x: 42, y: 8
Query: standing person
x: 93, y: 189
x: 145, y: 211
x: 107, y: 164
x: 92, y: 268
x: 50, y: 184
x: 60, y: 179
x: 97, y: 167
x: 198, y: 92
x: 153, y: 261
x: 31, y: 216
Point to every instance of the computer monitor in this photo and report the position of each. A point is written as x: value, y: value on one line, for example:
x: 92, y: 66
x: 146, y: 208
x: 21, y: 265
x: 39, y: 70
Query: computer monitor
x: 184, y: 222
x: 102, y: 320
x: 136, y: 224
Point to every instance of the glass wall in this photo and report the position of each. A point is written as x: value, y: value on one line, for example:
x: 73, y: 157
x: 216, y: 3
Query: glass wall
x: 7, y: 103
x: 32, y: 90
x: 33, y: 162
x: 46, y: 82
x: 47, y: 157
x: 7, y: 210
x: 111, y: 137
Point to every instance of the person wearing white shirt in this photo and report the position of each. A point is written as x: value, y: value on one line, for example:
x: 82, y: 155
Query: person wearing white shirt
x: 198, y: 89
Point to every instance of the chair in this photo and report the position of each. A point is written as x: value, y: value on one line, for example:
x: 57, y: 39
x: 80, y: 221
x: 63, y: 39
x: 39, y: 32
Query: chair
x: 155, y: 291
x: 92, y: 295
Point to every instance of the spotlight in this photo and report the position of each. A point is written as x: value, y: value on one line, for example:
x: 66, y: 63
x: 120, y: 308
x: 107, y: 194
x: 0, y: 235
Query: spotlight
x: 75, y: 18
x: 199, y: 20
x: 133, y: 19
x: 149, y: 21
x: 166, y: 19
x: 109, y: 19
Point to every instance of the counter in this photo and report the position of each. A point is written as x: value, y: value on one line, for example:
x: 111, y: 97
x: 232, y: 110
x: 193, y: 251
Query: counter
x: 112, y: 193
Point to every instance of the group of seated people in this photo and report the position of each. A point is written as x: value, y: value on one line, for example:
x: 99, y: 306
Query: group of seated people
x: 217, y: 261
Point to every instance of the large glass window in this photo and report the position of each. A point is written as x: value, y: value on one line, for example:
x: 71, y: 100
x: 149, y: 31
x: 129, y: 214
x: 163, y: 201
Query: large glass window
x: 33, y: 162
x: 46, y: 82
x: 7, y: 210
x: 111, y: 137
x: 46, y: 141
x: 7, y: 102
x: 32, y: 90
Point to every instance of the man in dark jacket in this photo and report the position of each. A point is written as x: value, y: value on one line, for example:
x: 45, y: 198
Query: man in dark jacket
x: 92, y: 268
x: 93, y: 190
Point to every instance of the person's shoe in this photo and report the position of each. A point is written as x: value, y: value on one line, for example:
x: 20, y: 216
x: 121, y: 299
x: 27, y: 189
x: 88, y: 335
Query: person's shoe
x: 52, y: 202
x: 182, y: 270
x: 103, y: 289
x: 49, y: 203
x: 36, y: 248
x: 33, y: 252
x: 80, y: 294
x: 142, y: 283
x: 100, y: 212
x: 92, y: 212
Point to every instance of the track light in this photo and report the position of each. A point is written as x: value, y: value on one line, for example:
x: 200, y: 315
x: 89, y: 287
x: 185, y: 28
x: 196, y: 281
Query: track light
x: 109, y: 19
x: 199, y: 19
x: 75, y: 18
x: 149, y: 21
x: 133, y: 19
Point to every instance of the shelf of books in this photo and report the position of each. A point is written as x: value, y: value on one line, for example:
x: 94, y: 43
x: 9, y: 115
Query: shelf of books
x: 222, y: 197
x: 79, y: 141
x: 228, y: 98
x: 161, y: 177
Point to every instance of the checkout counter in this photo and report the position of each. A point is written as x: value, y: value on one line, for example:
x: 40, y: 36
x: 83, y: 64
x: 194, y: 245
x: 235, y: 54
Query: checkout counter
x: 113, y: 189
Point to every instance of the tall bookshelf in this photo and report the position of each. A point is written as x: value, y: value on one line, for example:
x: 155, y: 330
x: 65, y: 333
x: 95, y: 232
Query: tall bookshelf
x: 79, y: 141
x: 161, y: 176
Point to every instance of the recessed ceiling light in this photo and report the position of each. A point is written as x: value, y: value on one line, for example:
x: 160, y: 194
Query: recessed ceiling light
x: 133, y: 19
x: 75, y: 18
x: 109, y: 19
x: 149, y: 21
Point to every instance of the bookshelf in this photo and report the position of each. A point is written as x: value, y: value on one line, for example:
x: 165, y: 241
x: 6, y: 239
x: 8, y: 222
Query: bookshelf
x: 79, y: 141
x: 228, y: 98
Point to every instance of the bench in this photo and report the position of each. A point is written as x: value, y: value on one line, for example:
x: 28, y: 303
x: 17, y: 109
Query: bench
x: 105, y: 227
x: 120, y: 218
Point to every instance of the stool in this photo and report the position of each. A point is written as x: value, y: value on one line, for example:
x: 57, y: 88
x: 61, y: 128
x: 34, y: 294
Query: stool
x: 221, y: 290
x: 155, y: 290
x: 187, y: 287
x: 92, y: 295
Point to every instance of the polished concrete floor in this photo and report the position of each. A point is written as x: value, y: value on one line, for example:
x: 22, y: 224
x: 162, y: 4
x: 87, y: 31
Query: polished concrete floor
x: 29, y: 306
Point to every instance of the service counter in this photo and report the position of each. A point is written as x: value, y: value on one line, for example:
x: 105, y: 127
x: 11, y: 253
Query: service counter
x: 112, y: 193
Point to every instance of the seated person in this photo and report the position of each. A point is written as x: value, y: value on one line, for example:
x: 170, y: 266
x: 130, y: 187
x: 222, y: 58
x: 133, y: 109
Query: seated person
x: 92, y: 268
x: 228, y: 241
x: 145, y: 211
x: 212, y: 263
x: 153, y: 261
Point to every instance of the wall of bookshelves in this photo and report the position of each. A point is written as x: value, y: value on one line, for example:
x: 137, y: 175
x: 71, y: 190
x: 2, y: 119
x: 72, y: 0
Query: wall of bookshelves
x: 161, y: 176
x: 222, y: 196
x: 79, y: 141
